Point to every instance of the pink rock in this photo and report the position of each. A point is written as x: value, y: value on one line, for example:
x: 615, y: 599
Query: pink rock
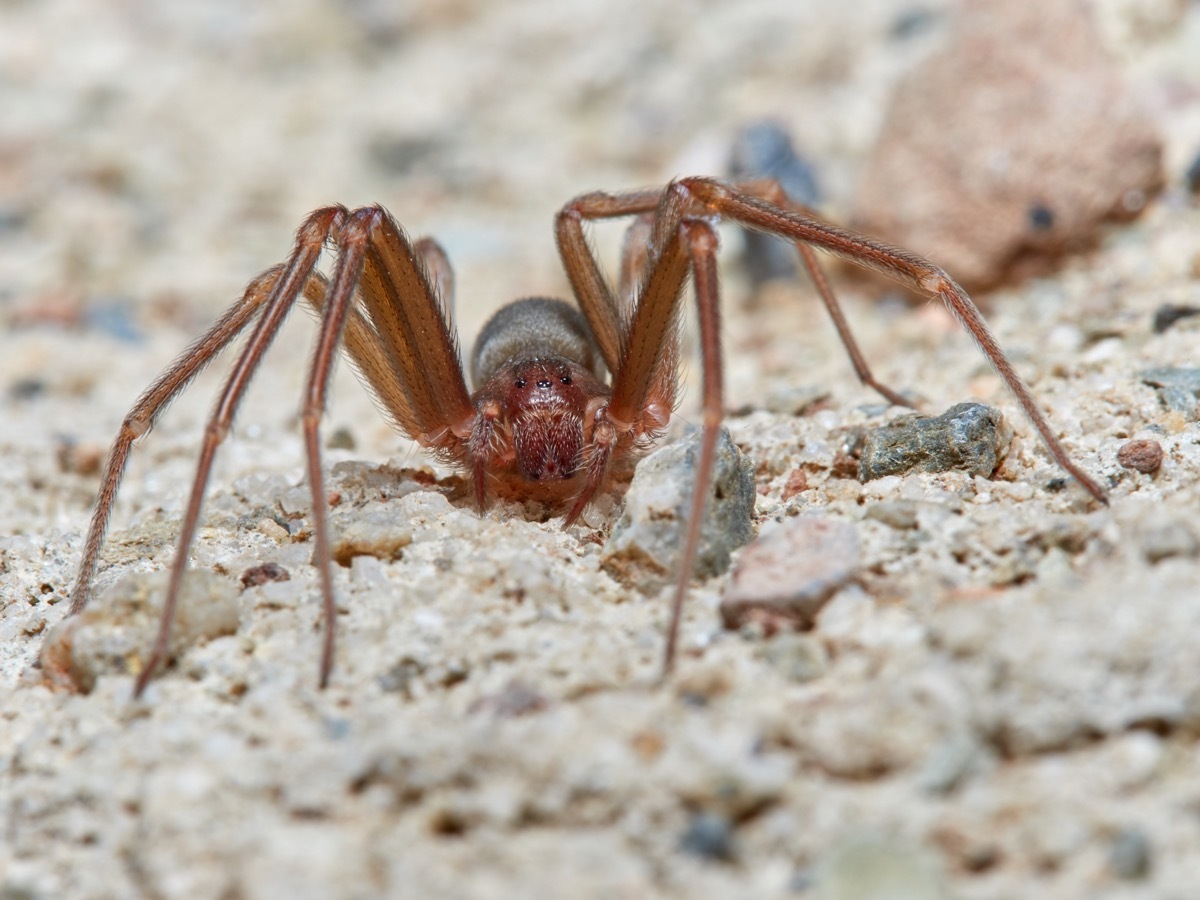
x: 1009, y: 145
x: 787, y: 575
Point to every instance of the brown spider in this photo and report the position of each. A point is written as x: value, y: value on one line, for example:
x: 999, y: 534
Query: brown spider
x: 541, y: 422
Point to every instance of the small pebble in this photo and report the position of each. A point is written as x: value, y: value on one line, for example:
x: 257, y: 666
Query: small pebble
x: 1178, y: 387
x: 788, y: 574
x: 949, y: 764
x: 1144, y: 456
x: 708, y: 836
x: 1169, y: 313
x: 115, y: 633
x: 898, y: 514
x: 515, y: 699
x: 647, y: 539
x: 1130, y: 855
x: 401, y: 677
x: 342, y: 439
x: 798, y: 657
x: 26, y: 389
x: 371, y: 530
x: 797, y: 483
x: 1191, y: 177
x: 80, y: 458
x: 257, y: 575
x: 970, y: 437
x: 272, y: 529
x: 872, y: 868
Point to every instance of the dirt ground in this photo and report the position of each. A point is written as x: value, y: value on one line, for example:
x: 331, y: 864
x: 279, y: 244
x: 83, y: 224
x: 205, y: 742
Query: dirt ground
x: 1003, y: 702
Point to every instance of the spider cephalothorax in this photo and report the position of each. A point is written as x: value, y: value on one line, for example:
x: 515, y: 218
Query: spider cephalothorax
x: 542, y: 420
x: 541, y: 383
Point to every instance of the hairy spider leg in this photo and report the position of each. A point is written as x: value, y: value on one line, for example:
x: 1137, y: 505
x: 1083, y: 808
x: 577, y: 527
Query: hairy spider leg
x: 140, y: 420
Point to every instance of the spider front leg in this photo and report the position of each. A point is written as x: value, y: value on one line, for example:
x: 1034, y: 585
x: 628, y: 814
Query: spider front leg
x: 644, y: 375
x: 401, y: 339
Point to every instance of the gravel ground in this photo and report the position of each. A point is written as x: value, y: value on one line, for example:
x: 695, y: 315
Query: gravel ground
x: 1001, y: 699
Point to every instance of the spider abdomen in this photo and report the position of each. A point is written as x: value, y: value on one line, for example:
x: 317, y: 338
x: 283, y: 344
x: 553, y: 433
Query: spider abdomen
x: 533, y: 327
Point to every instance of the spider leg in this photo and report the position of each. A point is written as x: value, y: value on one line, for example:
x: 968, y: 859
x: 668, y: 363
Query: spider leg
x: 899, y: 265
x: 372, y: 255
x: 310, y: 240
x: 432, y: 404
x: 592, y: 291
x: 146, y: 411
x: 635, y: 256
x: 383, y: 291
x: 678, y: 241
x: 834, y: 308
x: 352, y: 240
x: 772, y: 191
x: 441, y: 276
x: 701, y: 238
x: 376, y: 335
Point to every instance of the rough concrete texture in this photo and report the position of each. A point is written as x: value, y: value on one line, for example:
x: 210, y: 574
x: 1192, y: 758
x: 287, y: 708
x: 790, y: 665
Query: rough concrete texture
x: 114, y: 634
x: 1002, y: 703
x: 1014, y: 141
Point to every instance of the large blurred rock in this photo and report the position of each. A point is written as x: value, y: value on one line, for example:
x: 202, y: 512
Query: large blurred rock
x: 1009, y: 145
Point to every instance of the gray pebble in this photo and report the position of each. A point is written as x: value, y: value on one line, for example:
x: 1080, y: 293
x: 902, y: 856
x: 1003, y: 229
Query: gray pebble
x: 1178, y: 399
x: 1129, y: 854
x: 644, y: 547
x: 1178, y: 387
x: 798, y: 657
x: 795, y: 400
x: 709, y: 836
x: 870, y: 868
x: 341, y: 439
x: 949, y: 764
x: 970, y: 437
x: 1186, y: 378
x: 371, y: 530
x: 764, y: 149
x: 899, y: 514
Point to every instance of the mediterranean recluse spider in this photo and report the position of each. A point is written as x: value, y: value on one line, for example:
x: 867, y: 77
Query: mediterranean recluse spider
x: 542, y: 420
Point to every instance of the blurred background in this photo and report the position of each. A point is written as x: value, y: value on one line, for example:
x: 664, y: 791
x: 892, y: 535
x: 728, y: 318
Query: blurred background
x: 149, y: 150
x: 154, y: 157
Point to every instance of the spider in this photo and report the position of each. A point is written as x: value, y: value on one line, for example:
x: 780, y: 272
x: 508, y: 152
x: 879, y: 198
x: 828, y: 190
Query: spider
x: 543, y: 421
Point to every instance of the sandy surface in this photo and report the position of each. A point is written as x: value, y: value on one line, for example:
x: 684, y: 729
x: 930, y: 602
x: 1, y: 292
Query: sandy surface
x: 1003, y: 703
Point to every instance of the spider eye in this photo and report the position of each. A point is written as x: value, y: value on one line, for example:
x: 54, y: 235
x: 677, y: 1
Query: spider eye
x: 520, y: 383
x: 566, y: 379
